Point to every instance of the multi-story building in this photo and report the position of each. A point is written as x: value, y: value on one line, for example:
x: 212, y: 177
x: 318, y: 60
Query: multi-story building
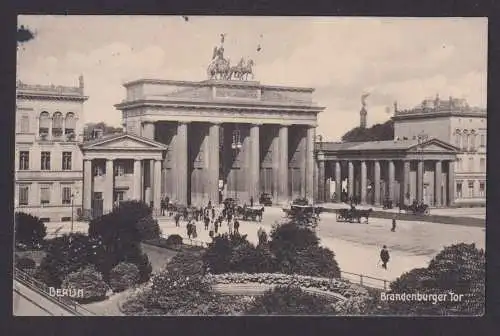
x: 48, y: 180
x: 455, y: 122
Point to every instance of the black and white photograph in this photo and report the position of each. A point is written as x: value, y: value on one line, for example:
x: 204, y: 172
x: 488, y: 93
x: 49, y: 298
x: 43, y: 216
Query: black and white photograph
x: 171, y: 165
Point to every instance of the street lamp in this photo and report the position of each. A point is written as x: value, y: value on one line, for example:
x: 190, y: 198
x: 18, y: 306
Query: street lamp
x: 236, y: 146
x: 72, y: 208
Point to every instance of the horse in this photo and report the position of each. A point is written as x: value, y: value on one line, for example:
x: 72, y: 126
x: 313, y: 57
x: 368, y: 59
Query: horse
x: 219, y: 67
x: 245, y: 70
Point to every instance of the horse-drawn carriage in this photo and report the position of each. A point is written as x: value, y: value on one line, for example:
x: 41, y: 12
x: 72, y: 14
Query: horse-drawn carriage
x: 415, y: 208
x: 353, y: 214
x: 254, y: 213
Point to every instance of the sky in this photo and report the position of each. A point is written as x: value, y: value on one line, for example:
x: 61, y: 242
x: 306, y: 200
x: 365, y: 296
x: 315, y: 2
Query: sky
x: 393, y: 59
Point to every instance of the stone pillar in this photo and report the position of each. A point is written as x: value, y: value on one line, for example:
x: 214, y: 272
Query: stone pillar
x: 87, y: 184
x: 338, y: 181
x: 181, y: 166
x: 420, y: 180
x: 363, y: 182
x: 213, y: 165
x: 137, y: 180
x: 152, y: 182
x: 283, y: 195
x: 254, y: 164
x: 108, y: 187
x: 157, y: 184
x: 392, y: 174
x: 276, y: 163
x: 437, y: 183
x: 376, y: 182
x: 350, y: 180
x: 310, y: 163
x: 148, y: 130
x: 406, y: 179
x: 451, y: 183
x: 321, y: 177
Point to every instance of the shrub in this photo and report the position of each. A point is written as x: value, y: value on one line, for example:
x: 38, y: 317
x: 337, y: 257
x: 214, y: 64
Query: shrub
x: 459, y: 269
x: 142, y: 262
x: 186, y: 263
x: 123, y: 276
x: 288, y: 238
x: 219, y: 252
x: 290, y: 300
x: 148, y: 228
x: 174, y: 240
x: 25, y: 264
x: 316, y: 261
x: 90, y: 281
x: 29, y: 230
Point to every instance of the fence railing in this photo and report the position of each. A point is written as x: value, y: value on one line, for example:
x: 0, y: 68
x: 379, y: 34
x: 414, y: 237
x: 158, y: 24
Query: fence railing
x: 365, y: 280
x: 42, y: 289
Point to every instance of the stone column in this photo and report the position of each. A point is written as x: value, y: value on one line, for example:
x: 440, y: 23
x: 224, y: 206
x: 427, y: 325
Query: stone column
x: 181, y: 166
x: 420, y: 180
x: 363, y: 182
x: 254, y: 164
x: 108, y: 187
x: 276, y: 163
x: 391, y: 181
x: 406, y: 179
x: 321, y: 177
x: 376, y: 182
x: 148, y: 130
x: 157, y: 184
x: 87, y: 184
x: 137, y: 180
x: 451, y: 183
x: 437, y: 183
x: 152, y: 181
x: 310, y: 163
x: 213, y: 164
x: 283, y: 195
x: 338, y: 181
x: 350, y: 180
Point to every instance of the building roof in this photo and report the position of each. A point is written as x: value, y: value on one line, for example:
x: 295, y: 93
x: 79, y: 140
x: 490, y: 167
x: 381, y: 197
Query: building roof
x: 117, y: 136
x: 387, y: 145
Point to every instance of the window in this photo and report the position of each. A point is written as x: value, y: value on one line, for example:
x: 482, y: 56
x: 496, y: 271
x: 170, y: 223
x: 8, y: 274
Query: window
x: 24, y: 194
x: 471, y: 188
x: 459, y: 164
x: 25, y: 124
x: 45, y: 194
x: 24, y: 160
x: 471, y: 164
x: 472, y: 141
x: 98, y: 169
x: 482, y: 164
x: 70, y: 122
x: 483, y: 140
x: 119, y: 169
x: 465, y: 143
x: 459, y: 190
x: 44, y: 124
x: 66, y: 161
x: 482, y: 189
x: 45, y: 162
x: 458, y: 137
x: 57, y: 124
x: 66, y: 195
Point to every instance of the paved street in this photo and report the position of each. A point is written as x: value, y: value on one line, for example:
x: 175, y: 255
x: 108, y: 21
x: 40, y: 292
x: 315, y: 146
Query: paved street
x: 356, y: 246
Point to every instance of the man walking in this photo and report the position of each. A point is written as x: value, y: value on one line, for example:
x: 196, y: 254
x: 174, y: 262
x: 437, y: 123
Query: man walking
x: 393, y: 229
x: 177, y: 219
x: 230, y: 227
x: 207, y: 221
x: 236, y: 226
x: 384, y: 256
x: 251, y: 201
x: 163, y: 207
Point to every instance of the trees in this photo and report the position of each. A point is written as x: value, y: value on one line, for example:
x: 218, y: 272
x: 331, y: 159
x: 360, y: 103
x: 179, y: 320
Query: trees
x: 29, y: 230
x: 459, y: 269
x: 378, y: 132
x: 106, y: 129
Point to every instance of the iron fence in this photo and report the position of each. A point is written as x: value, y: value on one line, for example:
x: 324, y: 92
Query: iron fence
x: 42, y: 289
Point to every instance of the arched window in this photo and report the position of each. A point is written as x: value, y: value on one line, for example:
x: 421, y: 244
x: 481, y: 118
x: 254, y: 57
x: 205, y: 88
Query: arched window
x: 70, y: 123
x: 473, y: 140
x: 44, y: 124
x: 57, y: 124
x: 458, y: 137
x: 465, y: 139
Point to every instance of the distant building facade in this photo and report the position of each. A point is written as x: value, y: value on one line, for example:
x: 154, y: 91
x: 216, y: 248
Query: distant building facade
x: 48, y: 161
x: 455, y: 122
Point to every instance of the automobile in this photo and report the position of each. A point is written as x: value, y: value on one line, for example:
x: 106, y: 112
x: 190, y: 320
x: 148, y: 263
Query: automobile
x: 266, y: 199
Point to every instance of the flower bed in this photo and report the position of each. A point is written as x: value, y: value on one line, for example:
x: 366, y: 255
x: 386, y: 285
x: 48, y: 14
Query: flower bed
x: 342, y: 287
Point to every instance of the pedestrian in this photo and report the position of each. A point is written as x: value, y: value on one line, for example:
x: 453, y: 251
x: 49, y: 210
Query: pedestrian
x: 163, y: 207
x: 209, y: 204
x: 230, y: 227
x: 251, y: 201
x: 393, y: 229
x: 384, y: 256
x: 207, y: 222
x: 195, y: 234
x: 189, y: 228
x: 211, y: 230
x: 236, y: 226
x: 216, y: 225
x: 229, y: 217
x: 177, y: 219
x: 213, y: 213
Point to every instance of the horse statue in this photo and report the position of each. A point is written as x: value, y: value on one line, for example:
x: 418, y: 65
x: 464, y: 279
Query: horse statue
x: 246, y: 70
x: 219, y: 69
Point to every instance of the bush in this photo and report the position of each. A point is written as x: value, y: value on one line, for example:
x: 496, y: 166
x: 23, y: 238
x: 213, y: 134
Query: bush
x: 90, y: 281
x: 186, y: 263
x: 29, y: 230
x: 174, y: 240
x: 290, y: 300
x: 142, y: 262
x: 25, y: 264
x: 67, y: 254
x: 289, y: 238
x: 217, y: 257
x: 148, y: 228
x: 123, y: 276
x: 316, y: 261
x: 459, y: 269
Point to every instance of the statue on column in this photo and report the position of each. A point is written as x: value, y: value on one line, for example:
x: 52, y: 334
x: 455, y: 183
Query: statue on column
x: 219, y: 66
